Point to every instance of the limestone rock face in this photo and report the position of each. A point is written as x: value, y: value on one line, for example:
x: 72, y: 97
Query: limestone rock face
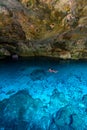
x: 54, y: 28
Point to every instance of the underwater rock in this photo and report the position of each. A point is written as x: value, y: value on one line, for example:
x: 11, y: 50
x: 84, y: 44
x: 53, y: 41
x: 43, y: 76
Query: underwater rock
x: 63, y: 116
x: 84, y: 99
x: 21, y: 110
x: 57, y: 99
x: 53, y: 126
x: 77, y: 122
x: 10, y: 92
x: 16, y: 125
x: 38, y: 74
x: 45, y: 122
x: 70, y: 118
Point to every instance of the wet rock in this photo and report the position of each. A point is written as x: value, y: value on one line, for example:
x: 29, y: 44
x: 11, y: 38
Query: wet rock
x: 4, y: 52
x: 25, y: 49
x: 59, y: 25
x: 4, y: 10
x: 65, y: 55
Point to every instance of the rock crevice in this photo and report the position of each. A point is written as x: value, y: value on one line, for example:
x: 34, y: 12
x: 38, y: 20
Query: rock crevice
x: 55, y: 28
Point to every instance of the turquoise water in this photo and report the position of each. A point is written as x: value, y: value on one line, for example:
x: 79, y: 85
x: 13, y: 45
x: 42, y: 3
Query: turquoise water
x: 32, y: 98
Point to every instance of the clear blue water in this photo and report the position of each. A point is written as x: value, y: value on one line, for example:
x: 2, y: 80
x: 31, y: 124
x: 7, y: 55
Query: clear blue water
x: 59, y: 100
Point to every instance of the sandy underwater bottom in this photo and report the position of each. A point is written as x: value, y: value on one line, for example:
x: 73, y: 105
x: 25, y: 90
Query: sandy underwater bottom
x: 32, y: 98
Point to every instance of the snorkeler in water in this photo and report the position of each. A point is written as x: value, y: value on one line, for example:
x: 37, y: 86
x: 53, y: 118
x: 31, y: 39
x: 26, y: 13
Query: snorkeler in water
x: 52, y: 71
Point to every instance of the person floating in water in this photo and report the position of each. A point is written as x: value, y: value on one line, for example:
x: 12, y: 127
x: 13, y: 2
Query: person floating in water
x: 52, y: 71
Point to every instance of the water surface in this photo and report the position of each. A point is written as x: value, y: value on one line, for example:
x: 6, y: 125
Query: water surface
x: 41, y: 99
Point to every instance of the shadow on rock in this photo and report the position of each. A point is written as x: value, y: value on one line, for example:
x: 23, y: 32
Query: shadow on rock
x: 38, y: 74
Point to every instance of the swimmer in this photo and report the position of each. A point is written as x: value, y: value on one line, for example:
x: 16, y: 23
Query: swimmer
x: 52, y: 71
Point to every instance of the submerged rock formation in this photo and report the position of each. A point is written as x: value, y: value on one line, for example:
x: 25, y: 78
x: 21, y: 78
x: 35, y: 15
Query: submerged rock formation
x: 22, y: 112
x: 54, y: 28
